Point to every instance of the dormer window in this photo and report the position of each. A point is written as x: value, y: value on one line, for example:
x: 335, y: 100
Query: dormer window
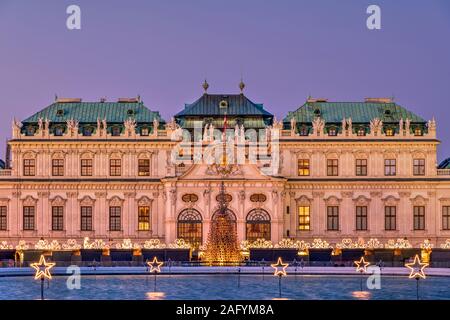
x: 87, y: 131
x: 361, y: 132
x: 59, y: 131
x: 303, y: 131
x: 332, y: 131
x: 30, y: 131
x: 389, y: 132
x: 387, y: 113
x: 115, y: 131
x: 317, y: 112
x: 59, y: 112
x: 145, y: 131
x: 130, y: 112
x: 417, y: 131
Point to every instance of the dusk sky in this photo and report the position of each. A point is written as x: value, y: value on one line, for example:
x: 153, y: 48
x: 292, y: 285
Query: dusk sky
x: 285, y: 50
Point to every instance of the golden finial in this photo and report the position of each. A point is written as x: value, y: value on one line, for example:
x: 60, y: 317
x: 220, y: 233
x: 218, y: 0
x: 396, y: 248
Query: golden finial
x: 242, y: 86
x: 205, y: 86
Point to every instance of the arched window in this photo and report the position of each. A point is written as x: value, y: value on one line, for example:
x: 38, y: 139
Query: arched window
x: 116, y: 131
x: 417, y: 131
x: 59, y: 131
x: 304, y: 131
x: 189, y: 227
x: 361, y: 131
x: 258, y: 225
x: 231, y: 215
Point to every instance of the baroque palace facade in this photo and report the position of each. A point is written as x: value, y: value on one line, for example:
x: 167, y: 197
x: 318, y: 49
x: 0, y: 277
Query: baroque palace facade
x: 329, y: 172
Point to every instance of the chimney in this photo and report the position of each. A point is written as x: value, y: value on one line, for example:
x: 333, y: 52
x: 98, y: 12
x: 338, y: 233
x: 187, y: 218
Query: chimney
x: 378, y: 100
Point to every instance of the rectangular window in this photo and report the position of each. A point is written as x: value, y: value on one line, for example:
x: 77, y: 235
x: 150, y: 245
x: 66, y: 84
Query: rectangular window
x: 115, y: 167
x: 419, y: 167
x: 115, y: 219
x: 86, y: 218
x: 29, y: 167
x: 361, y: 218
x: 58, y: 167
x: 144, y: 167
x: 86, y: 167
x: 144, y: 219
x: 28, y: 218
x: 446, y: 218
x: 332, y: 167
x: 333, y: 218
x: 57, y: 218
x: 390, y: 218
x: 303, y: 167
x: 419, y: 217
x: 3, y: 218
x: 361, y: 167
x: 304, y: 218
x: 390, y: 167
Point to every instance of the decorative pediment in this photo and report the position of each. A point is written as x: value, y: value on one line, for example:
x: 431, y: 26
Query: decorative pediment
x: 87, y: 201
x: 58, y: 201
x: 144, y: 201
x: 58, y: 155
x: 303, y: 200
x: 361, y: 200
x: 332, y: 155
x: 419, y: 201
x: 418, y: 154
x: 145, y: 155
x: 116, y: 155
x: 4, y: 201
x: 360, y: 154
x: 29, y: 201
x: 390, y: 155
x: 87, y: 155
x: 115, y: 202
x: 332, y: 201
x: 390, y: 200
x: 30, y: 155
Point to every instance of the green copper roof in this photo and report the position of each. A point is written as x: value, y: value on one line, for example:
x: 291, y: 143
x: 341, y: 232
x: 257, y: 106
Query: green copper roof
x: 237, y: 104
x: 360, y: 112
x: 89, y: 112
x: 445, y: 164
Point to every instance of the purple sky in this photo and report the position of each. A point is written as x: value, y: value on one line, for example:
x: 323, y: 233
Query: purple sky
x: 286, y: 50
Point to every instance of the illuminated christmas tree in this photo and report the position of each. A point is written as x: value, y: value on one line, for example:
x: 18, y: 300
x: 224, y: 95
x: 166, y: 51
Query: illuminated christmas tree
x: 222, y: 245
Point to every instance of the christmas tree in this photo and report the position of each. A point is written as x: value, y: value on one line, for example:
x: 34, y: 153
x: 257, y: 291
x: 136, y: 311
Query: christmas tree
x: 222, y: 245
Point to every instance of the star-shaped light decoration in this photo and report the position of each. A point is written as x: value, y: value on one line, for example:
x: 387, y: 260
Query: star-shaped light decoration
x: 42, y: 268
x: 155, y: 265
x: 417, y: 268
x: 361, y: 265
x: 280, y: 267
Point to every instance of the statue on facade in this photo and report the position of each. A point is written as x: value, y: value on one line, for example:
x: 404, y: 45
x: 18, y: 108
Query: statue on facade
x: 350, y: 126
x: 172, y: 125
x: 16, y: 127
x: 155, y: 126
x: 401, y: 129
x: 130, y: 126
x: 72, y: 127
x: 376, y: 126
x: 205, y: 133
x: 432, y: 126
x: 407, y: 126
x: 293, y: 126
x: 318, y: 125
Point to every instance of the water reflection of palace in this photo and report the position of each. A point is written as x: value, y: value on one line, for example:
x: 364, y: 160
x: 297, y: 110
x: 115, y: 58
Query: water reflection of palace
x: 330, y: 171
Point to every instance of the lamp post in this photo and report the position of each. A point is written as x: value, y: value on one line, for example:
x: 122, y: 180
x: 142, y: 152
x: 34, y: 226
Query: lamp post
x: 42, y: 272
x: 280, y: 271
x: 417, y: 271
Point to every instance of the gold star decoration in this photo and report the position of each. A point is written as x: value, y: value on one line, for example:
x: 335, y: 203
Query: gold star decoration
x: 361, y: 265
x: 155, y: 265
x: 280, y: 267
x: 417, y: 268
x: 42, y: 268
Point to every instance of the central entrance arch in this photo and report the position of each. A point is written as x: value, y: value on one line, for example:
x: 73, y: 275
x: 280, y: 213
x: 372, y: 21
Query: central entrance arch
x: 230, y: 213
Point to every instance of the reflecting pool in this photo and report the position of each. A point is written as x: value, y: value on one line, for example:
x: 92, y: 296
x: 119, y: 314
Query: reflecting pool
x: 227, y: 287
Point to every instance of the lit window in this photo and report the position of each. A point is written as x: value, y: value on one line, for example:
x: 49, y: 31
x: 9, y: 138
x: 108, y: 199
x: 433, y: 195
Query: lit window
x: 303, y: 167
x: 144, y: 218
x: 417, y: 131
x: 389, y: 132
x: 304, y: 218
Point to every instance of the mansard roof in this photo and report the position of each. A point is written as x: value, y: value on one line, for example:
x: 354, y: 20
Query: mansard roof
x: 89, y: 112
x: 359, y: 112
x: 237, y: 105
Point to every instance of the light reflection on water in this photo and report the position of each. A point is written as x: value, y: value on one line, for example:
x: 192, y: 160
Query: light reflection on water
x: 224, y: 287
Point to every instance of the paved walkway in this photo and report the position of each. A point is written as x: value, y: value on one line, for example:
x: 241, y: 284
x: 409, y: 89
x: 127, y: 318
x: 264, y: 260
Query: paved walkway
x: 219, y: 270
